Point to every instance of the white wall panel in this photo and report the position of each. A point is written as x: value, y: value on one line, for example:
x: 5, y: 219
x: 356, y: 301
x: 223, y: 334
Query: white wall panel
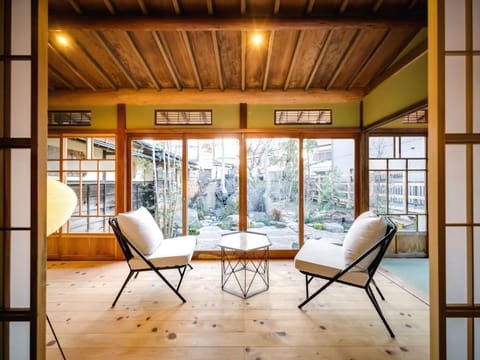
x: 455, y: 184
x: 476, y: 25
x: 20, y: 269
x: 476, y: 93
x: 456, y: 339
x: 476, y: 183
x: 476, y: 265
x: 454, y: 25
x: 20, y: 99
x: 455, y: 94
x: 456, y: 264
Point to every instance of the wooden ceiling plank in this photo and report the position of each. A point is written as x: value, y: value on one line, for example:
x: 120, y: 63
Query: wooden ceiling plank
x: 176, y: 7
x: 115, y: 59
x: 343, y: 7
x: 294, y: 59
x: 71, y: 67
x: 276, y: 7
x: 243, y: 60
x: 191, y: 56
x: 243, y: 7
x: 209, y: 23
x: 345, y: 57
x: 412, y: 4
x: 218, y: 61
x: 167, y: 57
x: 143, y: 7
x: 207, y: 96
x: 60, y: 77
x: 140, y: 57
x: 268, y: 61
x: 409, y: 58
x: 377, y: 5
x: 309, y: 8
x: 94, y: 63
x: 320, y: 57
x: 367, y: 60
x: 109, y: 6
x: 75, y: 7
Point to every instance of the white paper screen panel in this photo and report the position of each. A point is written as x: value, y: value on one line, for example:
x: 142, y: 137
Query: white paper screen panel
x: 20, y: 99
x: 476, y: 183
x: 476, y: 92
x: 456, y: 338
x: 454, y: 34
x: 455, y: 93
x: 476, y: 325
x: 455, y: 184
x: 456, y: 264
x: 21, y: 27
x: 20, y: 269
x: 19, y: 344
x: 476, y: 265
x: 20, y: 188
x: 476, y: 28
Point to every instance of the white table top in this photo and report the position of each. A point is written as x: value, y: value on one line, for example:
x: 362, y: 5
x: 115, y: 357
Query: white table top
x: 244, y: 241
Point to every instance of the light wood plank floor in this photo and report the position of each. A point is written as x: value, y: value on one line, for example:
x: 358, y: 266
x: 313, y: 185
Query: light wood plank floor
x: 150, y: 322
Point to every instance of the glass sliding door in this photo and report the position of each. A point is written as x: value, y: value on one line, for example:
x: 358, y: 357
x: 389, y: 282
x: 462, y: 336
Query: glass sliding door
x: 272, y: 189
x: 212, y: 189
x: 329, y: 199
x: 156, y: 180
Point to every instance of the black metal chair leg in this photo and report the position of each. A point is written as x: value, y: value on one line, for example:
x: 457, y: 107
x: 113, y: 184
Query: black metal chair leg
x: 130, y: 274
x: 378, y: 289
x: 170, y: 285
x: 379, y: 310
x: 56, y: 339
x: 307, y: 300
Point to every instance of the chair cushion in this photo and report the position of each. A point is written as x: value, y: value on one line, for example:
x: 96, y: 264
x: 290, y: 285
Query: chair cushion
x: 364, y: 232
x: 140, y: 228
x: 326, y: 260
x: 171, y: 252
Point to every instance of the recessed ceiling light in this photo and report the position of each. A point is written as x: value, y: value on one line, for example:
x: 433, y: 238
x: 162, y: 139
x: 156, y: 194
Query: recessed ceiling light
x: 62, y: 40
x: 257, y: 39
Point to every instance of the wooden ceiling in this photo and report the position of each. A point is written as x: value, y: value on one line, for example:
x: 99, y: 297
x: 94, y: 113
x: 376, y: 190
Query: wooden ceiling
x: 202, y: 51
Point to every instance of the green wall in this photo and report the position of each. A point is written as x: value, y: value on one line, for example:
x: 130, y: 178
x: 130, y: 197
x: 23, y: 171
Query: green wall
x: 398, y: 92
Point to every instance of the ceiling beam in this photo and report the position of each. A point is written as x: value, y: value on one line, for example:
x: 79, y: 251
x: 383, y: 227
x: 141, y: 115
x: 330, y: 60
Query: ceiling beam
x: 191, y: 56
x: 75, y: 7
x: 269, y: 58
x: 343, y: 7
x: 59, y: 76
x: 207, y: 96
x: 152, y: 23
x: 309, y: 8
x: 377, y: 5
x: 110, y: 7
x: 319, y: 60
x: 218, y: 61
x: 143, y: 7
x: 243, y: 60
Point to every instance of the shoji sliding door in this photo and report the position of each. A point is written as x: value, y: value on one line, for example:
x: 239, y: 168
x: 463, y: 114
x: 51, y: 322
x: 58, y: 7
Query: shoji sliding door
x: 23, y: 100
x: 454, y: 129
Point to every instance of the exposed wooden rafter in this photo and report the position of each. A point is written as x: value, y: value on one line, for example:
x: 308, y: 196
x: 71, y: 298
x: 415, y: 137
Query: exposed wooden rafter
x: 92, y: 61
x: 309, y: 8
x: 269, y: 58
x: 276, y: 7
x: 377, y: 5
x: 167, y: 57
x: 210, y: 7
x: 218, y: 61
x: 115, y: 59
x: 345, y: 57
x: 176, y: 7
x: 71, y: 66
x: 60, y: 77
x: 367, y: 60
x: 293, y: 62
x: 110, y: 7
x: 75, y: 7
x: 243, y: 60
x: 319, y: 59
x: 151, y: 23
x: 343, y: 7
x: 243, y: 7
x: 140, y: 57
x: 191, y: 56
x: 143, y: 7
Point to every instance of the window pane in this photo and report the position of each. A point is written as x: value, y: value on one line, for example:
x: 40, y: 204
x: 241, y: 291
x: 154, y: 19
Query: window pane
x: 53, y: 148
x: 380, y: 147
x: 103, y: 148
x: 272, y: 189
x: 416, y: 192
x: 378, y: 164
x: 76, y: 148
x: 417, y: 164
x: 213, y: 188
x: 329, y: 188
x: 378, y: 191
x: 157, y: 182
x: 396, y: 193
x: 413, y: 147
x: 397, y: 164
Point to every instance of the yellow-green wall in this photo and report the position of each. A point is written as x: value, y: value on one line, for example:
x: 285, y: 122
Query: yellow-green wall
x: 398, y: 92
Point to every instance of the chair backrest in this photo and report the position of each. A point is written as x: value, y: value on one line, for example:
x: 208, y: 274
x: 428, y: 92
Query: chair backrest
x: 383, y: 245
x: 122, y: 240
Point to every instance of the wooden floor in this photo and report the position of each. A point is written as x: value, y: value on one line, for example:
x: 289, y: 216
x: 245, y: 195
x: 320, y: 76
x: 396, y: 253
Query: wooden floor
x: 150, y: 322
